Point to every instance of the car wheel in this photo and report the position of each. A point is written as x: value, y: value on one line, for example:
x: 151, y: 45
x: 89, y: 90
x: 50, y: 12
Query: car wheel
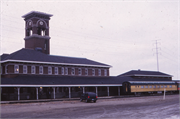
x: 95, y: 101
x: 86, y: 101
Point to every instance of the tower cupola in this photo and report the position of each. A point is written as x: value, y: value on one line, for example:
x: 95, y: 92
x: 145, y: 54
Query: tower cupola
x: 37, y: 31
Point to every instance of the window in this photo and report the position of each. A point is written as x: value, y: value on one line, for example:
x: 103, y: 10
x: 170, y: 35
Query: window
x: 146, y: 86
x: 93, y: 72
x: 62, y: 70
x: 72, y: 71
x: 150, y: 86
x: 33, y: 70
x: 154, y: 86
x: 170, y: 86
x: 99, y: 72
x: 158, y: 86
x: 161, y: 86
x: 142, y: 86
x: 66, y: 71
x: 56, y: 70
x: 79, y: 71
x: 105, y: 72
x: 86, y: 71
x: 16, y: 68
x: 24, y: 69
x: 165, y: 86
x: 40, y: 69
x: 49, y: 70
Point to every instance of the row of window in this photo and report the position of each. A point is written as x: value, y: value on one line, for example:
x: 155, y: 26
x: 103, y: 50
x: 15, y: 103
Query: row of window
x: 64, y: 70
x: 165, y: 86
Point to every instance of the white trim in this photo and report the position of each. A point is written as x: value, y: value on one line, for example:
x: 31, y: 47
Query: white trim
x: 53, y: 63
x: 70, y: 85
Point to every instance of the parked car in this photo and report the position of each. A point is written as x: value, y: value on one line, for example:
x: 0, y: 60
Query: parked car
x: 88, y: 96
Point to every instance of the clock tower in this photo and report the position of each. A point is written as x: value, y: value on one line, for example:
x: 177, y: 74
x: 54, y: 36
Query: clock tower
x: 37, y: 31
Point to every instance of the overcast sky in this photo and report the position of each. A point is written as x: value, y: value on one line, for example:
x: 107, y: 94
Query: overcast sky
x: 121, y: 34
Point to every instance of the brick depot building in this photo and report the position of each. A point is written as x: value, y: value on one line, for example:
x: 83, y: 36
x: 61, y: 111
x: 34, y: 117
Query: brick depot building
x: 32, y: 73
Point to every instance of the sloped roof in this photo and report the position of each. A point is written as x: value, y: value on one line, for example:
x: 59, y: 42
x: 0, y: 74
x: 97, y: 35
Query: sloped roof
x: 145, y: 73
x: 29, y: 55
x: 55, y: 80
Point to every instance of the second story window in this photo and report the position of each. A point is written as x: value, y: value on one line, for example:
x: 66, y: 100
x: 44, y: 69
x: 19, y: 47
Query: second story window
x: 66, y: 71
x: 16, y: 68
x: 86, y: 71
x: 49, y: 70
x: 72, y: 71
x: 56, y: 70
x: 105, y: 72
x: 99, y: 72
x: 62, y: 70
x: 40, y: 69
x: 93, y: 72
x: 33, y: 70
x: 79, y: 71
x: 24, y: 69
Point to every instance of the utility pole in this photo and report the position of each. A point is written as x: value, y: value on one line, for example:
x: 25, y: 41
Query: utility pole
x: 157, y: 55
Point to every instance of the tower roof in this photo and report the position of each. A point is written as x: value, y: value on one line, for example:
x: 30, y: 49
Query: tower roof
x: 36, y: 14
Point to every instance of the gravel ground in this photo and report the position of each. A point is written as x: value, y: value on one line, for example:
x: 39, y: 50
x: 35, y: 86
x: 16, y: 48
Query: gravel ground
x: 132, y: 108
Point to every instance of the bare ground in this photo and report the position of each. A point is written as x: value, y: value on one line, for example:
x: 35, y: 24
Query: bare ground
x: 136, y: 107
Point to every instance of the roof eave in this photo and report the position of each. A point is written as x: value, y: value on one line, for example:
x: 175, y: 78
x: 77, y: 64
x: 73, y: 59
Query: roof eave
x: 38, y: 62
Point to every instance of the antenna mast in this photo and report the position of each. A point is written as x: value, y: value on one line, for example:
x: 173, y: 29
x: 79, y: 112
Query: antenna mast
x: 157, y: 56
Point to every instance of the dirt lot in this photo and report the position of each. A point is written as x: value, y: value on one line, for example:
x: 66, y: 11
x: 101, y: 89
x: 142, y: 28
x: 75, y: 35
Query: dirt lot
x: 136, y: 107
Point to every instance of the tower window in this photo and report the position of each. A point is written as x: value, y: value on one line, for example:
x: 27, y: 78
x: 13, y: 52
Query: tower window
x: 24, y: 69
x: 16, y: 68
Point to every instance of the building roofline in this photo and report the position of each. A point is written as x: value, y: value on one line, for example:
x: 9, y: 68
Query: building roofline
x: 36, y: 12
x: 69, y: 85
x: 38, y: 62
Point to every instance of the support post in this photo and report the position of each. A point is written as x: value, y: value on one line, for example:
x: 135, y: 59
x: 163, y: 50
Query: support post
x: 69, y: 92
x: 37, y: 93
x: 108, y: 90
x: 54, y: 92
x: 164, y: 94
x: 96, y: 91
x: 118, y: 90
x: 18, y: 93
x: 83, y: 90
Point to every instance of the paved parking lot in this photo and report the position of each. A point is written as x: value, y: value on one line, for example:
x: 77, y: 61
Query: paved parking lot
x: 136, y: 107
